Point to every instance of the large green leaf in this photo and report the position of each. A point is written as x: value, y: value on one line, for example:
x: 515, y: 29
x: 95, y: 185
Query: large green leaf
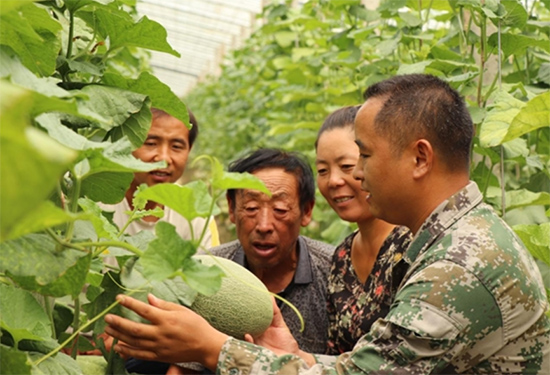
x: 160, y: 94
x: 122, y: 31
x: 514, y: 44
x: 12, y: 68
x: 13, y: 361
x: 46, y: 215
x: 136, y: 127
x: 537, y: 240
x: 534, y: 115
x: 190, y: 201
x: 523, y: 197
x: 115, y: 157
x: 102, y: 226
x: 497, y: 121
x: 22, y: 316
x: 123, y: 112
x: 31, y: 32
x: 36, y: 263
x: 166, y: 254
x: 173, y: 290
x: 230, y: 180
x: 61, y: 364
x: 31, y: 162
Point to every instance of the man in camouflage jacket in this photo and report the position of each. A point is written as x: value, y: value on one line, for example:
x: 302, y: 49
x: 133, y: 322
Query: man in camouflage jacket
x: 472, y: 301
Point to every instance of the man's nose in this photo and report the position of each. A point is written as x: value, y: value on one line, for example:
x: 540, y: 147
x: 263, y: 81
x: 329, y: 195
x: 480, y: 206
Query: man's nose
x: 358, y: 172
x: 163, y: 154
x: 264, y: 221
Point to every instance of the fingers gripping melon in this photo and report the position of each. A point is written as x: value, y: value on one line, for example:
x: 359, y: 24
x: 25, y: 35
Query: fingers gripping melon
x: 241, y: 305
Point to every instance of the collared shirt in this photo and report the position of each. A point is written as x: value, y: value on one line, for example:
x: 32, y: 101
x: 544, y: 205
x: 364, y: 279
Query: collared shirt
x: 307, y: 291
x: 472, y: 301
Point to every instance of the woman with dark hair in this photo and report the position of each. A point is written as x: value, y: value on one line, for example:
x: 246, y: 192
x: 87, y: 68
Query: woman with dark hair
x: 366, y: 268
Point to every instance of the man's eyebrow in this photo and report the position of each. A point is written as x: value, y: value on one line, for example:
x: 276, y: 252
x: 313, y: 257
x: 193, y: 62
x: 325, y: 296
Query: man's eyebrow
x: 180, y: 140
x: 359, y: 143
x: 256, y: 193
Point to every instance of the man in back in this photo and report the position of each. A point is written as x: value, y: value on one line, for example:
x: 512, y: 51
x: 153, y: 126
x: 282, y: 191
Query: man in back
x: 270, y: 245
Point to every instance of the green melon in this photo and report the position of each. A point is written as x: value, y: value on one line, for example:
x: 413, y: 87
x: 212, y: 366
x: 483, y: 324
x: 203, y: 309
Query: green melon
x: 241, y: 305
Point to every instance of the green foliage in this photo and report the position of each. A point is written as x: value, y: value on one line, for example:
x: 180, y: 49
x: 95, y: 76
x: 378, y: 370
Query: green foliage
x: 76, y: 100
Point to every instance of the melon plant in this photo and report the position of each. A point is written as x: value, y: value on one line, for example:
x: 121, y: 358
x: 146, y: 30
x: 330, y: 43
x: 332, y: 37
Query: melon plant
x: 241, y: 305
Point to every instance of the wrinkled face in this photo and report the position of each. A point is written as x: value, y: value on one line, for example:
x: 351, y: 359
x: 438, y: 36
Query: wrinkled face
x: 337, y: 155
x: 383, y: 175
x: 268, y: 227
x: 167, y: 140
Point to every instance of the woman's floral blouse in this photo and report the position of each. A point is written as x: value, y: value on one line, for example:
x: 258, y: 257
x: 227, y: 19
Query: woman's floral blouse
x: 353, y: 306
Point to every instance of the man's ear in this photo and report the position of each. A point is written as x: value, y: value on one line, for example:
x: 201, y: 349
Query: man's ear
x: 307, y: 213
x: 231, y: 206
x: 424, y: 157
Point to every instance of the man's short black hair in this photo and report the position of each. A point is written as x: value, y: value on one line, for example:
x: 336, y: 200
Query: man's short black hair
x: 291, y: 162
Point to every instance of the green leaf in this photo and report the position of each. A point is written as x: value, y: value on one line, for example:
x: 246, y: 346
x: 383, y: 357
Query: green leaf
x: 122, y: 112
x: 495, y: 125
x: 13, y: 361
x: 59, y: 364
x: 102, y: 226
x: 74, y: 5
x: 410, y: 19
x: 31, y: 32
x: 31, y: 162
x: 285, y: 38
x: 12, y: 69
x: 537, y: 239
x: 136, y: 127
x: 206, y: 280
x: 523, y: 197
x: 534, y: 115
x: 34, y: 263
x: 419, y: 67
x: 160, y: 94
x: 166, y: 254
x: 516, y: 15
x: 22, y: 316
x: 173, y: 290
x: 190, y: 201
x: 544, y: 73
x: 107, y: 187
x: 116, y: 157
x: 513, y: 44
x: 46, y: 215
x: 122, y: 31
x: 230, y: 180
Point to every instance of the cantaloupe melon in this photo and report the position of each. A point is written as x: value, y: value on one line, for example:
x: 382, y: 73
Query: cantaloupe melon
x: 241, y: 305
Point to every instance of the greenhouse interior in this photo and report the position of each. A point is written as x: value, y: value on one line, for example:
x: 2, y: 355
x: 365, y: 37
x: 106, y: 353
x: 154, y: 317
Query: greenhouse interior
x: 275, y: 187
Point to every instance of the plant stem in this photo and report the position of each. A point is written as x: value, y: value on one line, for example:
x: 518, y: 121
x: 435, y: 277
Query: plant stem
x: 73, y: 204
x: 483, y: 27
x: 502, y: 182
x: 103, y: 244
x: 71, y: 35
x: 76, y: 323
x: 75, y: 333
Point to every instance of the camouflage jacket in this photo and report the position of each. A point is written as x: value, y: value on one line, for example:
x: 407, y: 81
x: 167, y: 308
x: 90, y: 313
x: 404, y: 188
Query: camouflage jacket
x: 472, y: 302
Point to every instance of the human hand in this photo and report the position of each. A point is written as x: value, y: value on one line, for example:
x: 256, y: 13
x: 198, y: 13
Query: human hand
x: 176, y: 333
x: 277, y: 337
